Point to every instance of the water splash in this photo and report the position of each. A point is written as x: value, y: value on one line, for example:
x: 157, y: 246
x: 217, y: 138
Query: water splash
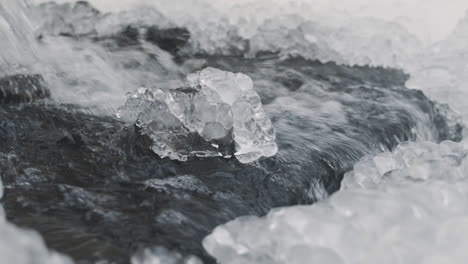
x: 77, y: 71
x: 17, y: 34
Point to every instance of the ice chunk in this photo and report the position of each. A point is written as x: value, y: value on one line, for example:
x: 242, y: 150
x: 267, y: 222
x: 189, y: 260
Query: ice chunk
x: 218, y: 113
x: 405, y: 206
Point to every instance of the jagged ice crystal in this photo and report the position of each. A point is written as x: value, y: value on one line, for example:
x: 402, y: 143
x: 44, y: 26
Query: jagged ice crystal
x: 218, y: 113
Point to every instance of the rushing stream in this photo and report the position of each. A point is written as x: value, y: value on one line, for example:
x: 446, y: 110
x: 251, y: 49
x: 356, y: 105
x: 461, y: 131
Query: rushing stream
x: 197, y: 131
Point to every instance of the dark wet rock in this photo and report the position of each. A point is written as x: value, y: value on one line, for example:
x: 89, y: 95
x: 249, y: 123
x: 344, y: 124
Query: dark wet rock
x: 20, y: 88
x: 93, y: 189
x: 128, y: 36
x: 170, y: 40
x: 72, y: 139
x: 81, y: 20
x: 85, y: 7
x: 447, y: 118
x: 7, y: 130
x: 291, y: 80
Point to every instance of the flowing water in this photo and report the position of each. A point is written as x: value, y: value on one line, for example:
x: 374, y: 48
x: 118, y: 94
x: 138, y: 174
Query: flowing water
x: 401, y: 158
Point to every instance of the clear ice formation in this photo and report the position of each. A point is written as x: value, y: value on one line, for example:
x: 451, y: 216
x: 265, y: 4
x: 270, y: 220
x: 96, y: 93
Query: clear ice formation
x: 218, y: 113
x: 405, y: 206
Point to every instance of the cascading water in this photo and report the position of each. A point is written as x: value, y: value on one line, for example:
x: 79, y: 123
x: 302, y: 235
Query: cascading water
x: 100, y: 190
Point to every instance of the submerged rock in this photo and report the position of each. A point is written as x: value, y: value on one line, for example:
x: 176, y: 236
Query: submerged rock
x: 22, y: 89
x: 218, y: 114
x: 80, y: 20
x: 22, y: 246
x: 170, y: 40
x: 95, y: 191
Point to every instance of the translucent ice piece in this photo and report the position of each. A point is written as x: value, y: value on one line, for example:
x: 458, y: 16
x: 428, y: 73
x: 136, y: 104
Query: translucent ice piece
x: 217, y: 114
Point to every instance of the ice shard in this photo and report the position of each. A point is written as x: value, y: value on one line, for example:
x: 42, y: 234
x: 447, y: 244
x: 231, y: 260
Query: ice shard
x: 217, y: 113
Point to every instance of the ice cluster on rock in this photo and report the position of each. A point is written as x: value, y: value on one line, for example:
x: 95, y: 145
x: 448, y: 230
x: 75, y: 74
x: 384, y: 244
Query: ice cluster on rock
x: 218, y: 113
x: 405, y: 206
x: 289, y: 27
x: 357, y: 41
x: 82, y: 19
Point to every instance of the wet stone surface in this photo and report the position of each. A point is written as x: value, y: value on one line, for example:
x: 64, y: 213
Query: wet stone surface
x: 22, y: 89
x: 94, y: 190
x: 170, y: 40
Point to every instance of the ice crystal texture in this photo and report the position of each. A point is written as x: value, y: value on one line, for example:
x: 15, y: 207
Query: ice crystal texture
x: 408, y: 206
x: 82, y: 19
x: 248, y: 28
x: 218, y: 113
